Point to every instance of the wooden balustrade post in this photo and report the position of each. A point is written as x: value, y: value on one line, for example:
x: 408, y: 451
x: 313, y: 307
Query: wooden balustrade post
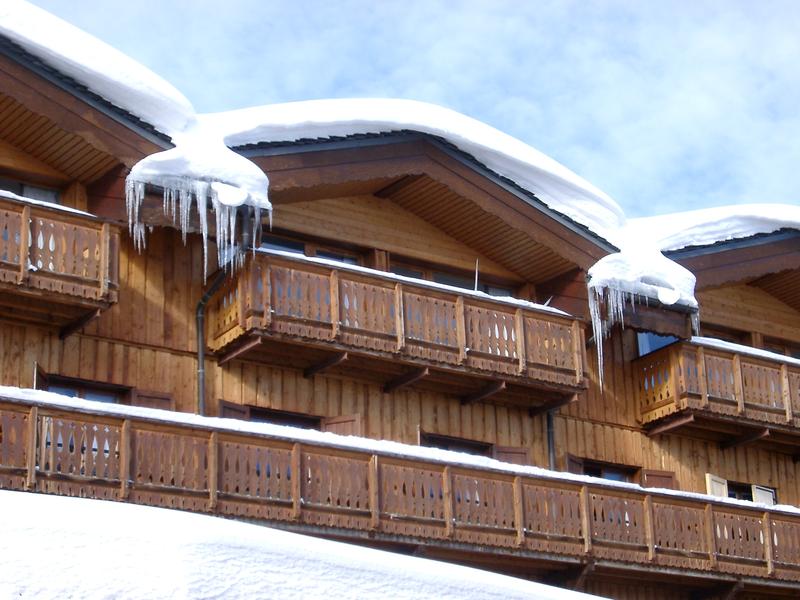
x: 578, y: 350
x: 461, y: 329
x: 675, y: 362
x: 266, y: 298
x: 24, y: 243
x: 125, y: 459
x: 769, y: 540
x: 586, y: 519
x: 213, y: 470
x: 33, y: 421
x: 649, y: 528
x: 297, y: 490
x: 519, y: 330
x: 519, y: 511
x: 373, y: 482
x: 711, y: 540
x: 738, y: 384
x: 447, y: 499
x: 242, y: 284
x: 702, y: 379
x: 334, y: 292
x: 399, y: 317
x: 104, y: 258
x: 786, y: 393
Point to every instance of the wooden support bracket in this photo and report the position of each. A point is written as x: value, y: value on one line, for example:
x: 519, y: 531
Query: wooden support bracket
x: 745, y: 439
x: 671, y: 425
x: 579, y: 579
x: 326, y: 364
x: 78, y: 324
x: 535, y: 411
x: 488, y: 391
x: 404, y: 380
x: 729, y: 591
x: 239, y: 351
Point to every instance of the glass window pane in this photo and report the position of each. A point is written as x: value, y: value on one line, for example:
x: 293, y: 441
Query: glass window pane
x: 64, y: 390
x: 101, y: 396
x: 343, y: 258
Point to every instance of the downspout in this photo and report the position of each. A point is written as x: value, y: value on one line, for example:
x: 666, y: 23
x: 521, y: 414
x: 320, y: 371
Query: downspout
x: 200, y: 316
x: 551, y: 440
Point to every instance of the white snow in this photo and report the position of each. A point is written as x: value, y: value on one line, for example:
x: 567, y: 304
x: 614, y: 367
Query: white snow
x: 417, y: 282
x: 104, y: 70
x: 433, y: 455
x: 43, y: 204
x: 554, y: 184
x: 58, y: 547
x: 748, y: 350
x: 710, y: 225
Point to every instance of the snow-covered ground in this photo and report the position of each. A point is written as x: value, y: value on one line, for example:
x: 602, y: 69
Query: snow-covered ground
x: 57, y: 547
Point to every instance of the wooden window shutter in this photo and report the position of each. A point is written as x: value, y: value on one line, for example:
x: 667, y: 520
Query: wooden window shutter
x: 152, y: 400
x: 716, y: 486
x: 518, y: 455
x: 574, y: 464
x: 229, y: 410
x: 764, y: 495
x: 343, y: 425
x: 40, y: 377
x: 659, y: 479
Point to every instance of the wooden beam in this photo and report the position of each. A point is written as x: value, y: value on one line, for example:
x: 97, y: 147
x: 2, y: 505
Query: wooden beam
x: 396, y: 186
x: 238, y: 351
x: 78, y: 324
x: 745, y: 439
x: 535, y: 411
x: 323, y: 366
x: 404, y: 380
x: 583, y: 574
x: 719, y: 592
x: 493, y: 388
x: 671, y: 425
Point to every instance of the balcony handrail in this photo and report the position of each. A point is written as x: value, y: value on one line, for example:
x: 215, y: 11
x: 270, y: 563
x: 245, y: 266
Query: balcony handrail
x: 729, y: 379
x: 250, y: 471
x: 58, y: 249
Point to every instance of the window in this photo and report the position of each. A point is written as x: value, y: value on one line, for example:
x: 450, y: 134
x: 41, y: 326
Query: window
x: 519, y: 455
x: 273, y: 242
x: 717, y: 486
x: 466, y: 282
x: 604, y: 470
x: 341, y: 424
x: 650, y: 342
x: 276, y: 242
x: 736, y: 336
x: 33, y: 192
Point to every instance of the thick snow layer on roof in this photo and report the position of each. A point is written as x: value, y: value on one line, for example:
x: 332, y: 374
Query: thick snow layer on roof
x: 710, y: 225
x: 104, y: 70
x: 434, y: 455
x: 57, y: 547
x: 554, y: 184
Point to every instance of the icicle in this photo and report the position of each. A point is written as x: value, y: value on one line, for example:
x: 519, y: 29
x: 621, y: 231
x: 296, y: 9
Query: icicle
x: 256, y: 226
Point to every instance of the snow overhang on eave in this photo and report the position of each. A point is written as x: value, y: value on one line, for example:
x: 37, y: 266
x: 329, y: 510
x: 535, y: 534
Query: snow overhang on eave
x: 752, y: 241
x: 355, y: 141
x: 19, y: 55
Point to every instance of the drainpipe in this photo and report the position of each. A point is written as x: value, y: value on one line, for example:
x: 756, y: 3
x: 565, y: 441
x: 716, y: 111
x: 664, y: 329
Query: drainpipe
x: 551, y: 440
x: 200, y: 315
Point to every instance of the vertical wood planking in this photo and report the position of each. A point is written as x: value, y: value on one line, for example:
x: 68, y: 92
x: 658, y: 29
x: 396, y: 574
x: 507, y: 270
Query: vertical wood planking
x: 213, y: 470
x: 519, y: 512
x: 586, y: 519
x: 24, y: 242
x: 373, y: 482
x: 124, y: 459
x: 399, y: 316
x: 461, y: 333
x: 33, y: 421
x: 786, y: 393
x: 701, y: 376
x: 519, y: 332
x: 738, y: 385
x: 334, y: 304
x: 447, y: 499
x: 297, y: 500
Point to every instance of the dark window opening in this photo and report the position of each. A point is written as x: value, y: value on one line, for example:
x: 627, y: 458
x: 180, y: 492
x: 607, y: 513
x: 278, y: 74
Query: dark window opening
x: 281, y: 417
x: 88, y: 390
x: 455, y: 444
x: 273, y: 242
x: 650, y: 342
x: 34, y: 192
x: 604, y: 470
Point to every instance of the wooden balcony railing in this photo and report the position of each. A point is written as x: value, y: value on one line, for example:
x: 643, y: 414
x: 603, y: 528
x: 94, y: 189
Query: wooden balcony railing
x: 723, y: 382
x: 203, y: 466
x: 68, y: 256
x: 377, y: 314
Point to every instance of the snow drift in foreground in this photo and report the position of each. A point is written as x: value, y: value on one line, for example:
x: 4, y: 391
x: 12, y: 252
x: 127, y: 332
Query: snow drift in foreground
x: 554, y: 184
x: 57, y: 547
x: 103, y: 69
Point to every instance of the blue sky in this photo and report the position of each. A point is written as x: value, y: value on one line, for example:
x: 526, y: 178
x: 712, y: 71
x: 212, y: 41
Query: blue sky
x: 666, y: 106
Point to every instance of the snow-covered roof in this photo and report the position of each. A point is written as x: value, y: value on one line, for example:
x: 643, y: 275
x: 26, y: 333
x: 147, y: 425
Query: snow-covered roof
x: 57, y: 547
x: 104, y: 70
x: 551, y: 182
x: 712, y: 225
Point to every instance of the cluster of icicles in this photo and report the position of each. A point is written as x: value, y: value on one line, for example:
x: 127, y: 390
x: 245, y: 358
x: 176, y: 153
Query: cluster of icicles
x: 614, y: 300
x: 179, y: 195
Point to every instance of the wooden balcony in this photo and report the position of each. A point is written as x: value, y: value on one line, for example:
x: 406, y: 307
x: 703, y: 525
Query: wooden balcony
x: 543, y: 521
x: 397, y: 332
x: 56, y: 266
x: 733, y: 397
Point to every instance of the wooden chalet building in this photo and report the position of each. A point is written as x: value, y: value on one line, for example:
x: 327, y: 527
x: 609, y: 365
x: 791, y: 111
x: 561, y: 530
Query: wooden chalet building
x: 358, y: 315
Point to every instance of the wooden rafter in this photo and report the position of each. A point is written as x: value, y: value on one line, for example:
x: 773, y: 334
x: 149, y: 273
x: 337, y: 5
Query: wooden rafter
x: 748, y: 438
x: 239, y: 351
x: 487, y: 391
x: 78, y: 324
x: 671, y: 425
x: 324, y: 365
x: 404, y: 380
x: 535, y: 411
